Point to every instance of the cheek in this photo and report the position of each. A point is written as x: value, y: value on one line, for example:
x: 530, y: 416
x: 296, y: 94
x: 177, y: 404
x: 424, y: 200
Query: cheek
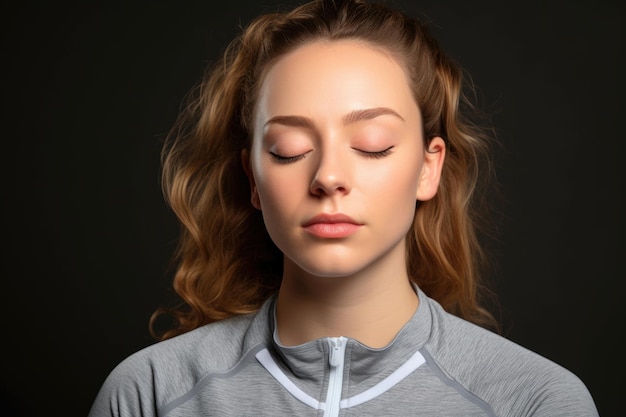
x: 278, y: 189
x: 392, y: 196
x: 396, y: 181
x: 397, y: 209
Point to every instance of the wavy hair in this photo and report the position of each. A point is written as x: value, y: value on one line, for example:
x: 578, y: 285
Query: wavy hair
x: 226, y: 263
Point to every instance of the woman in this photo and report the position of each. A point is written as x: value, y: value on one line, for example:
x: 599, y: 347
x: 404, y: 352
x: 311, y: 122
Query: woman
x: 326, y: 178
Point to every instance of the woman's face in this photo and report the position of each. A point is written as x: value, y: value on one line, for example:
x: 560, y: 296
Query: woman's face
x: 337, y: 158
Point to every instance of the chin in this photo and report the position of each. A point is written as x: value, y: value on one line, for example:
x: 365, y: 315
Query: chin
x: 329, y: 269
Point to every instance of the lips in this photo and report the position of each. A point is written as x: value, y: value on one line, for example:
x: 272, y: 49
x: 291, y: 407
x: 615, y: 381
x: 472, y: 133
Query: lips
x: 331, y: 226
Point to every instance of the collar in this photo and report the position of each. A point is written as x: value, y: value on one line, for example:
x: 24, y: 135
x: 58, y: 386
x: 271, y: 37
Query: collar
x: 308, y: 365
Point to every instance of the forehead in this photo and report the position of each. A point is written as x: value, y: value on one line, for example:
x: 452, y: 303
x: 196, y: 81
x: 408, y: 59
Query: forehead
x: 334, y: 76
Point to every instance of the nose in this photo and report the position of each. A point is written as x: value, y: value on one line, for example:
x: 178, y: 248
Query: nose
x: 331, y: 176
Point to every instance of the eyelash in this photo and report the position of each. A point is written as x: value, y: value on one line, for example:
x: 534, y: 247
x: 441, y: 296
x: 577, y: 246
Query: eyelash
x: 290, y: 159
x: 378, y: 154
x: 287, y: 159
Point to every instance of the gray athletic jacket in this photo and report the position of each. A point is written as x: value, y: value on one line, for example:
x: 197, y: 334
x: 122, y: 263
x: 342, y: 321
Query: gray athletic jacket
x: 438, y: 365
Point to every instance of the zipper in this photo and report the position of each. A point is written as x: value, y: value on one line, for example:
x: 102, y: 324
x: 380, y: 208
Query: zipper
x: 336, y: 356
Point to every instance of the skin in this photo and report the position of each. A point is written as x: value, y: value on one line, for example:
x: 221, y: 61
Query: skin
x: 337, y: 131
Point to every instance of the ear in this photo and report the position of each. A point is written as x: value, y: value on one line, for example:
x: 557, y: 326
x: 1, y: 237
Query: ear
x: 254, y: 194
x: 431, y: 169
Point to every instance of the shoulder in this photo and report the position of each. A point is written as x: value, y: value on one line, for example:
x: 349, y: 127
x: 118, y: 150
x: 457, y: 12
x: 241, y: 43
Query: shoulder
x: 166, y: 370
x: 511, y: 378
x: 209, y: 348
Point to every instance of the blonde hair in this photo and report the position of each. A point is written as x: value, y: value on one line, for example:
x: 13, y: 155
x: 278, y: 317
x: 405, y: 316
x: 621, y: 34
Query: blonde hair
x: 226, y: 263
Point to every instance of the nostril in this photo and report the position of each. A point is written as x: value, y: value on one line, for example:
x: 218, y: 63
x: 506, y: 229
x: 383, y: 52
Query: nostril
x: 329, y: 187
x: 331, y: 176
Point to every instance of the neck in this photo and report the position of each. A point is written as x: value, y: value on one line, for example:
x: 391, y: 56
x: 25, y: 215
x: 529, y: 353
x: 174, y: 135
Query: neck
x: 371, y: 306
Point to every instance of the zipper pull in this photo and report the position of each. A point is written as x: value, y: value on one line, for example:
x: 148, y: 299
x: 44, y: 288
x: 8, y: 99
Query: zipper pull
x: 335, y: 350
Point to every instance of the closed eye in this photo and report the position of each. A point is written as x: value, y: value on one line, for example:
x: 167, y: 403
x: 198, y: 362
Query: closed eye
x: 377, y: 154
x: 281, y: 159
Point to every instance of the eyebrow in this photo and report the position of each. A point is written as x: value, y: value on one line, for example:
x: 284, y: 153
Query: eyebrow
x: 352, y: 117
x: 369, y: 114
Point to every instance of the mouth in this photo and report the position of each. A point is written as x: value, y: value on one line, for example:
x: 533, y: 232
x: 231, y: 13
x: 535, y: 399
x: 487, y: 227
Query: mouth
x: 331, y: 226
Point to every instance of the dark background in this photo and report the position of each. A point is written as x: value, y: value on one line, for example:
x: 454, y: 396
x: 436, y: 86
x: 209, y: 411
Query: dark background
x: 88, y: 93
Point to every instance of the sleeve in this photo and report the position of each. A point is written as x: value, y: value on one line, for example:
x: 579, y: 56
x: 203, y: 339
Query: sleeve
x: 128, y: 391
x: 565, y: 396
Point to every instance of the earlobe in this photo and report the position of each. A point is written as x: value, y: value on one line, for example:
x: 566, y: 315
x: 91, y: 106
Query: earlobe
x: 254, y: 194
x: 431, y: 170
